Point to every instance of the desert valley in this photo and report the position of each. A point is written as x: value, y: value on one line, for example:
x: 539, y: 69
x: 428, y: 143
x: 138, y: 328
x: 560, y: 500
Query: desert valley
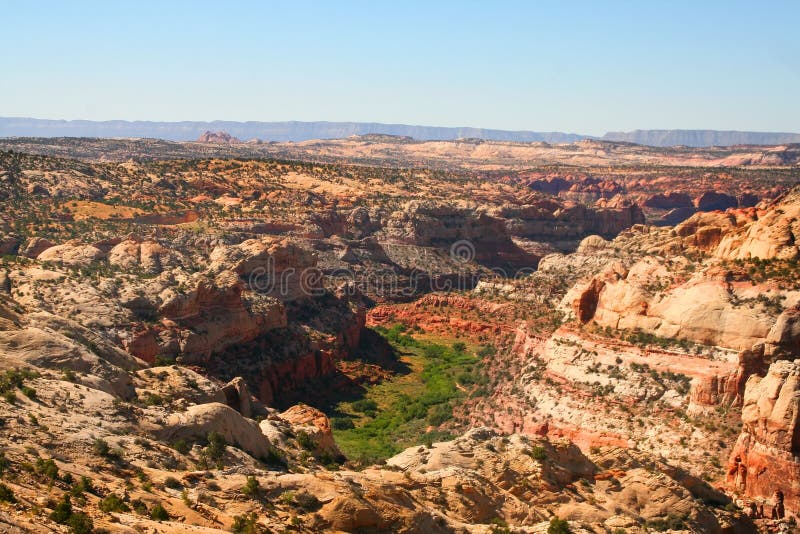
x: 380, y: 334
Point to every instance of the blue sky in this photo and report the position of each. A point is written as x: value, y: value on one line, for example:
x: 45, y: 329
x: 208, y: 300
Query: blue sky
x: 577, y: 66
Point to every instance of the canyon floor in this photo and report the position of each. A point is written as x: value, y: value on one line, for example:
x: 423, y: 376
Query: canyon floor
x: 376, y: 334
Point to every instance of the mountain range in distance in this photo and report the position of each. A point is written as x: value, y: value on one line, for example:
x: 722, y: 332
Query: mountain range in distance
x: 304, y: 131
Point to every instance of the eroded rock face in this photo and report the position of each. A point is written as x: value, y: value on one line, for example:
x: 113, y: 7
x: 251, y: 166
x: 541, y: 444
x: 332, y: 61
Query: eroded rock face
x: 317, y: 425
x: 212, y: 316
x: 72, y: 253
x: 149, y: 256
x: 774, y: 234
x: 198, y: 421
x: 702, y: 309
x: 765, y: 457
x: 713, y: 200
x: 9, y: 243
x: 35, y: 246
x: 783, y: 339
x: 668, y: 201
x: 274, y: 267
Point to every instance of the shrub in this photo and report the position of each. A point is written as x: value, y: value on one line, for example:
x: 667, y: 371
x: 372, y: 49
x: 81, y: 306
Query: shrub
x: 159, y: 513
x: 251, y: 487
x: 84, y: 485
x: 182, y: 446
x: 342, y: 423
x: 173, y: 483
x: 139, y: 507
x: 4, y: 463
x: 671, y: 522
x: 216, y: 446
x: 47, y: 468
x: 6, y: 495
x: 364, y: 405
x: 112, y: 503
x: 306, y: 441
x: 537, y: 452
x: 245, y: 524
x: 62, y: 511
x: 80, y: 523
x: 307, y: 501
x: 101, y: 447
x: 558, y: 526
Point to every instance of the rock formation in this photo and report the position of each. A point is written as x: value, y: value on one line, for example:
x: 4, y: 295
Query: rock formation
x: 765, y: 457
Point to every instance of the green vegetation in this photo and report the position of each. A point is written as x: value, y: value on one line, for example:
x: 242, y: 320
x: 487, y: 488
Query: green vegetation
x: 112, y: 503
x: 671, y: 522
x: 159, y: 513
x: 14, y: 379
x: 251, y: 487
x: 397, y: 413
x: 558, y: 526
x: 246, y: 524
x: 6, y: 495
x: 63, y: 514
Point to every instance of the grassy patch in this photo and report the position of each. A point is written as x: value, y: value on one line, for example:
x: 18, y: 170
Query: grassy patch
x: 409, y: 408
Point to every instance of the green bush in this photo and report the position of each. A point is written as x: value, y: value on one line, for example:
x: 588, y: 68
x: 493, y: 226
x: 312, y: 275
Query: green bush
x: 558, y: 526
x: 173, y: 483
x: 342, y: 423
x: 112, y: 503
x: 47, y: 468
x: 251, y: 487
x: 80, y: 523
x: 537, y: 452
x: 159, y: 513
x: 6, y: 495
x: 245, y: 524
x: 307, y: 501
x: 62, y: 511
x: 306, y: 441
x: 364, y: 405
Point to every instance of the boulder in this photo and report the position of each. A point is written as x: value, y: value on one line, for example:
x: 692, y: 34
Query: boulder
x: 198, y: 421
x: 72, y: 253
x: 35, y: 246
x: 9, y: 244
x: 316, y: 424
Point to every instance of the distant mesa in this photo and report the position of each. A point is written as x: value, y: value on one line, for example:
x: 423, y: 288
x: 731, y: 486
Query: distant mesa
x: 217, y: 138
x: 297, y: 131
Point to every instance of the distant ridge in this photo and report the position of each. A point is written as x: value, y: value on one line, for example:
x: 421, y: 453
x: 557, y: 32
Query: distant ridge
x: 702, y: 138
x: 266, y: 131
x: 304, y: 131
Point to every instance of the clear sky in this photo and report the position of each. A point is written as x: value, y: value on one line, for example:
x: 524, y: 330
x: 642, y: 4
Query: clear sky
x: 574, y: 66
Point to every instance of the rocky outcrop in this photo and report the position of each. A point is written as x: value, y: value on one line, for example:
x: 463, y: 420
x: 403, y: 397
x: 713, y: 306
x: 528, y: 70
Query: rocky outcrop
x: 783, y: 339
x: 775, y: 233
x: 213, y: 315
x: 271, y: 267
x: 237, y: 396
x: 765, y: 457
x: 668, y: 201
x: 198, y: 421
x: 316, y: 425
x: 148, y: 256
x: 705, y: 309
x: 9, y: 244
x: 72, y: 253
x: 217, y: 138
x: 714, y: 200
x: 35, y: 246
